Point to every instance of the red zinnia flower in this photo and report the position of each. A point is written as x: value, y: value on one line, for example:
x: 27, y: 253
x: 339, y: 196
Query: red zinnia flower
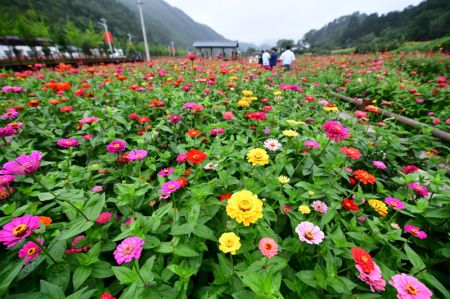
x: 193, y: 132
x: 350, y: 205
x: 195, y: 156
x: 364, y: 177
x: 351, y: 152
x: 182, y: 181
x: 363, y: 259
x: 224, y: 197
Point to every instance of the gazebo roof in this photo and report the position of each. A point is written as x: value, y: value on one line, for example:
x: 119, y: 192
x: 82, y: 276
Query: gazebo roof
x: 215, y: 44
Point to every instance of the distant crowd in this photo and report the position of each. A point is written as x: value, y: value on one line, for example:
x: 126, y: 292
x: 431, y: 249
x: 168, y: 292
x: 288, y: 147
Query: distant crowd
x: 270, y: 60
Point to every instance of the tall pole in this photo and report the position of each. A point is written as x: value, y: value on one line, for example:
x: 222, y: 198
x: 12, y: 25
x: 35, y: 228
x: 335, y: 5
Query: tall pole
x: 103, y: 22
x: 147, y: 53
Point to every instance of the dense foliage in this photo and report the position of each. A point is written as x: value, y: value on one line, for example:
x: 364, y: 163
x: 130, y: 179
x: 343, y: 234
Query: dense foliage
x: 426, y: 21
x: 207, y: 179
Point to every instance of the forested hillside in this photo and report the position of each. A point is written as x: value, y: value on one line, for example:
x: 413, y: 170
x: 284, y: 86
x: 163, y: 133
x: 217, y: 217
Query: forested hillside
x: 426, y: 21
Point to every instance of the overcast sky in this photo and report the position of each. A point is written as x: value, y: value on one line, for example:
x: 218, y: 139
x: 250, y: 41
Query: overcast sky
x: 260, y: 21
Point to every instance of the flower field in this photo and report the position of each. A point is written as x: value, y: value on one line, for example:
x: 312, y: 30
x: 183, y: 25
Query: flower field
x: 191, y: 178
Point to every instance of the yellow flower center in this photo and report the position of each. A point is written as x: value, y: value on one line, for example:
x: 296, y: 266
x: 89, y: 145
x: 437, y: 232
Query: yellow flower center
x: 337, y: 128
x: 116, y: 145
x: 127, y: 250
x: 31, y: 251
x: 393, y: 204
x: 20, y: 230
x: 229, y: 242
x: 309, y: 235
x: 414, y: 231
x: 171, y: 186
x: 411, y: 290
x: 244, y: 205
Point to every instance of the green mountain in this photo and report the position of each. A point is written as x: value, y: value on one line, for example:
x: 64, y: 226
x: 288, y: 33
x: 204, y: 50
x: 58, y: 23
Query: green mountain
x: 426, y: 21
x: 74, y: 22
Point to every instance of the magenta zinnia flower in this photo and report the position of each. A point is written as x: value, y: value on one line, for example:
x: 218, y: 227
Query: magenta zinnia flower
x: 268, y: 247
x: 129, y: 249
x: 379, y: 164
x: 335, y: 130
x: 309, y: 233
x: 415, y: 231
x: 18, y: 229
x: 181, y: 158
x: 311, y: 144
x: 409, y: 287
x: 31, y: 251
x: 137, y: 155
x: 319, y: 206
x: 418, y: 188
x: 25, y: 164
x: 104, y: 217
x: 5, y: 180
x: 165, y: 171
x: 170, y: 186
x: 67, y: 143
x: 394, y: 203
x: 116, y: 146
x: 374, y: 278
x: 410, y: 169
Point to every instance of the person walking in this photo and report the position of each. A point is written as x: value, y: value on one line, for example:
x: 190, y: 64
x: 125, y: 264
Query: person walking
x: 265, y: 59
x: 287, y: 58
x: 273, y: 58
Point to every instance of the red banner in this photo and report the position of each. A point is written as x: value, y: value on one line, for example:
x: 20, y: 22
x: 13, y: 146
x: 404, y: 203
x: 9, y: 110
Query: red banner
x: 108, y: 37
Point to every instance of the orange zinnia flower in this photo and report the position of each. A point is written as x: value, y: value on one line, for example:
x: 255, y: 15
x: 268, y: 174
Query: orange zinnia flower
x: 45, y: 220
x: 193, y: 132
x: 364, y: 177
x: 196, y: 156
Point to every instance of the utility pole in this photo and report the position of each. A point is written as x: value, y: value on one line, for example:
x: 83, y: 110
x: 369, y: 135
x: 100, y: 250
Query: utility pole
x: 147, y: 53
x: 103, y: 23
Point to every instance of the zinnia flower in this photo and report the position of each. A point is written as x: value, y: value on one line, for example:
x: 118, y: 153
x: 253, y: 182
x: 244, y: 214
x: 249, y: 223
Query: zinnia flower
x: 195, y: 156
x: 97, y: 188
x: 116, y: 146
x: 67, y: 143
x: 311, y: 144
x: 335, y: 131
x: 350, y: 205
x: 5, y: 180
x: 290, y: 133
x: 379, y: 206
x: 319, y: 206
x: 364, y: 177
x: 129, y: 249
x: 409, y: 287
x: 304, y: 209
x: 351, y: 152
x: 245, y: 207
x: 418, y: 188
x: 309, y: 233
x: 25, y: 164
x: 268, y: 247
x: 374, y: 278
x: 229, y: 242
x: 170, y: 186
x: 137, y: 155
x: 379, y: 164
x: 228, y: 115
x: 258, y: 156
x: 45, y: 220
x: 410, y: 169
x: 104, y: 217
x: 18, y: 229
x: 415, y: 231
x: 106, y: 295
x: 363, y: 259
x: 272, y: 144
x: 30, y: 250
x: 283, y: 179
x: 394, y: 203
x: 165, y: 172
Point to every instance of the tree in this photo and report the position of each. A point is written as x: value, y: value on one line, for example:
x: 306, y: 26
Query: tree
x: 73, y: 34
x: 284, y: 43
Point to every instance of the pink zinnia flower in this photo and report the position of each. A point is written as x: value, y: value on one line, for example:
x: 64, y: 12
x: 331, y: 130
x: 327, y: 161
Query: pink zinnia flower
x: 129, y: 249
x: 10, y: 113
x: 319, y: 206
x: 116, y: 146
x: 67, y: 143
x: 418, y: 188
x: 410, y: 169
x: 18, y: 229
x: 360, y: 114
x: 217, y: 131
x: 335, y: 130
x: 409, y: 287
x: 311, y: 144
x: 379, y: 164
x: 309, y: 233
x: 31, y: 251
x: 374, y: 279
x: 170, y: 186
x: 175, y: 118
x: 268, y: 247
x: 137, y: 155
x: 415, y: 231
x: 87, y: 136
x: 133, y: 116
x: 25, y: 164
x: 5, y: 180
x: 104, y: 217
x: 89, y: 120
x: 7, y: 131
x: 394, y: 203
x: 97, y: 188
x: 182, y: 158
x: 165, y: 172
x: 228, y: 115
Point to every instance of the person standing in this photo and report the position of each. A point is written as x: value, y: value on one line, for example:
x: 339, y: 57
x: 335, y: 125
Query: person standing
x: 265, y: 59
x: 287, y: 58
x: 273, y: 58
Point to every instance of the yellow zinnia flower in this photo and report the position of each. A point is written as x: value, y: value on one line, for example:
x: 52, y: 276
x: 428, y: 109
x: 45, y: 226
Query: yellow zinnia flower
x: 304, y: 209
x: 379, y: 206
x: 245, y: 207
x: 229, y: 242
x: 328, y: 109
x: 244, y: 103
x: 283, y: 179
x: 295, y: 122
x: 277, y: 93
x: 247, y: 93
x: 290, y: 133
x: 258, y: 156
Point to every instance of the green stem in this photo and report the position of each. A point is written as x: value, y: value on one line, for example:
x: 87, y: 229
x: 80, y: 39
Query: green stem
x: 136, y: 267
x: 45, y: 251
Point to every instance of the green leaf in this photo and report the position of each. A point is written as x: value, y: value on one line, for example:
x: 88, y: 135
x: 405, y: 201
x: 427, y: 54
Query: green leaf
x: 151, y: 242
x: 124, y: 275
x: 7, y: 275
x: 133, y: 291
x: 57, y: 249
x: 101, y: 269
x: 45, y: 196
x: 50, y: 291
x: 185, y: 251
x: 59, y: 274
x: 165, y: 247
x: 80, y: 275
x: 435, y: 283
x: 307, y: 276
x: 81, y: 294
x: 204, y: 232
x: 76, y: 227
x: 95, y: 206
x: 414, y: 258
x: 320, y: 276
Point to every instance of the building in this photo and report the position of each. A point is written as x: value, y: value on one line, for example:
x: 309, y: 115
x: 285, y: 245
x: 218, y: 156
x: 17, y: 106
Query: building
x: 224, y: 49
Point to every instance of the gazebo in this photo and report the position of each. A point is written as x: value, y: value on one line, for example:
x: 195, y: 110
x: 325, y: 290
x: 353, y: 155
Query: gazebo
x: 204, y: 46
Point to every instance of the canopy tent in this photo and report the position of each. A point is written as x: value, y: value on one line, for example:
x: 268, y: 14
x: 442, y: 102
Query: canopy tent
x: 201, y: 46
